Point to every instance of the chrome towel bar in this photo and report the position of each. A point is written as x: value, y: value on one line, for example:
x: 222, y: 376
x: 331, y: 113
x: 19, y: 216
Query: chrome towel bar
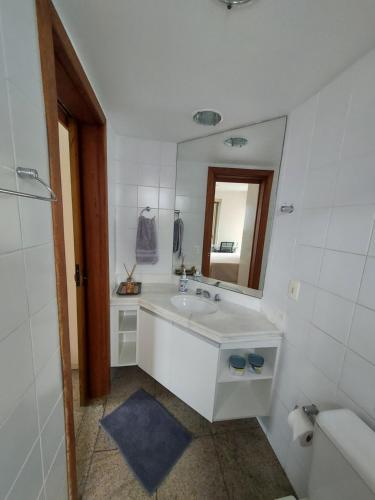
x: 30, y: 173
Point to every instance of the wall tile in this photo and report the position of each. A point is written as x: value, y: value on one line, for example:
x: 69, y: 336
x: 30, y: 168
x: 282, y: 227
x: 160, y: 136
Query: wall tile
x: 125, y: 195
x: 168, y: 176
x: 41, y: 285
x: 350, y: 229
x: 149, y: 152
x: 6, y: 145
x: 9, y: 214
x: 166, y: 199
x: 16, y: 368
x: 296, y: 331
x: 30, y: 480
x: 341, y: 273
x: 372, y: 245
x: 304, y: 306
x: 325, y: 353
x: 362, y: 337
x: 307, y: 263
x: 148, y: 197
x: 36, y: 220
x: 367, y: 291
x: 126, y: 172
x: 13, y: 303
x: 320, y: 186
x: 48, y: 387
x: 149, y: 175
x: 356, y: 180
x: 333, y: 315
x: 56, y: 487
x: 355, y: 378
x: 45, y: 334
x: 313, y: 226
x: 17, y: 436
x: 169, y: 154
x: 52, y: 434
x: 126, y: 218
x: 127, y: 148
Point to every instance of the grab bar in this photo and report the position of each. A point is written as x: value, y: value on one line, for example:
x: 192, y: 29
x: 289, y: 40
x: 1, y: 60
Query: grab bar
x: 30, y: 173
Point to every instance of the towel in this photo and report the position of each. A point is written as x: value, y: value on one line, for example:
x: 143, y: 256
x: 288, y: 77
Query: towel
x: 178, y: 232
x: 146, y: 250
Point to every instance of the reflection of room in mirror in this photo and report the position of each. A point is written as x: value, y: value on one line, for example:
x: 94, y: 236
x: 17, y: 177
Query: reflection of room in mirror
x: 232, y: 235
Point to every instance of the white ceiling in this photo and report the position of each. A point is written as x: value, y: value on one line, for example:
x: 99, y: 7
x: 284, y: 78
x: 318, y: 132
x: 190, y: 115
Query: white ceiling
x: 154, y: 62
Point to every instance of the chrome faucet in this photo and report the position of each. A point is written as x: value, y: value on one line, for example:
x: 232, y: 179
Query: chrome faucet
x: 206, y: 294
x: 217, y: 297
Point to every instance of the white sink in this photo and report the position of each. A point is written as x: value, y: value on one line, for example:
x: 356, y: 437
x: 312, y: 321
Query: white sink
x: 189, y: 304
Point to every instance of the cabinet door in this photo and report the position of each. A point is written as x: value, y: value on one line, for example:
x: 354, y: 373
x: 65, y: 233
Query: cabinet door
x: 155, y: 347
x: 193, y: 371
x: 182, y: 362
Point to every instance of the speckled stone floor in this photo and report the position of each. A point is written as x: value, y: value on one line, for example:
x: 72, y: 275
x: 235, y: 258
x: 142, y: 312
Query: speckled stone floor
x: 226, y: 460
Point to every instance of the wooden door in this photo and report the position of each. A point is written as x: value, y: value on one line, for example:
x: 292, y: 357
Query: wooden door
x: 80, y: 267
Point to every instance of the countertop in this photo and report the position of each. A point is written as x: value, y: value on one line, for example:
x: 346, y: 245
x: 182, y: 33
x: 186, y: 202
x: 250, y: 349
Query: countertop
x: 230, y: 323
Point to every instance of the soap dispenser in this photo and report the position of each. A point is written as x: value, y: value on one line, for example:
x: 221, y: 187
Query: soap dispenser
x: 183, y: 286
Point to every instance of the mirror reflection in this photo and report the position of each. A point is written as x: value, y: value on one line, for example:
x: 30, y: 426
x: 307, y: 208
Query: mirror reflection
x: 225, y: 201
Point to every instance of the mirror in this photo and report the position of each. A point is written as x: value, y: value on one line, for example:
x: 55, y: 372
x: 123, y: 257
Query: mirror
x: 225, y: 201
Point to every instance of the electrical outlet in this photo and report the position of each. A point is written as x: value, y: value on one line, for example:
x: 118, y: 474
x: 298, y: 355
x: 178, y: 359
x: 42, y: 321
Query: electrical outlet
x: 293, y: 289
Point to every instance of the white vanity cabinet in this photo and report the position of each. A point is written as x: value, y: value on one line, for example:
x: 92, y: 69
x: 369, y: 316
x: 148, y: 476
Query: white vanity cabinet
x: 196, y: 369
x: 178, y: 359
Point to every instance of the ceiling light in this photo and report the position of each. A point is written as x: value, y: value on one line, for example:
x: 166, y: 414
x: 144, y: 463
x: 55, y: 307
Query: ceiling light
x: 231, y: 3
x: 236, y: 142
x: 207, y: 117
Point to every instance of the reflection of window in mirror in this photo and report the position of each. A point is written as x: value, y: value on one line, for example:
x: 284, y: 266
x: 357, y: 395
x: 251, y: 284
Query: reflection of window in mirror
x: 236, y: 219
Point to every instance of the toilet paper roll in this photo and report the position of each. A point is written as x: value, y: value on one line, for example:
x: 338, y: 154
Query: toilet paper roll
x: 302, y: 427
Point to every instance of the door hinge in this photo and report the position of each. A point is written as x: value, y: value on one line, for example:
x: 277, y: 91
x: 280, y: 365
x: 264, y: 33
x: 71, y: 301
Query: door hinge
x: 79, y: 278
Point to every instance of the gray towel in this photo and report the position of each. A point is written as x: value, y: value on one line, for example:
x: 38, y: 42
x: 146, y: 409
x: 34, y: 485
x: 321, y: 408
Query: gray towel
x: 146, y: 250
x: 178, y: 233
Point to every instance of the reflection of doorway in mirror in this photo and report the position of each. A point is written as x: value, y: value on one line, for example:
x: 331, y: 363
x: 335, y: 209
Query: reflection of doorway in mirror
x: 233, y: 222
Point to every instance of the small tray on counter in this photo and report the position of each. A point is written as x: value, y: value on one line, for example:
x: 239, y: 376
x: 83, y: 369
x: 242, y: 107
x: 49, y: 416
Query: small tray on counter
x: 122, y: 289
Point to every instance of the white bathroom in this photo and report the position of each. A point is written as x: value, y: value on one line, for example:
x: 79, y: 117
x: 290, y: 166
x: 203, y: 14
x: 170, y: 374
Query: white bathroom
x: 187, y: 250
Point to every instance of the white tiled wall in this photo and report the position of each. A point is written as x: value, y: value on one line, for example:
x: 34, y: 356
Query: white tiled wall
x: 32, y: 448
x: 141, y: 173
x: 328, y: 243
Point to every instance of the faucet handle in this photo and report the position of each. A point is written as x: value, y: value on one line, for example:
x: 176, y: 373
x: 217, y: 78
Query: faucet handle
x: 198, y: 291
x: 217, y: 297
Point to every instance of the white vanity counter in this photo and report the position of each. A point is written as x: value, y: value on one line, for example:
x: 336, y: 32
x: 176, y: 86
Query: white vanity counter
x: 189, y: 353
x: 230, y: 323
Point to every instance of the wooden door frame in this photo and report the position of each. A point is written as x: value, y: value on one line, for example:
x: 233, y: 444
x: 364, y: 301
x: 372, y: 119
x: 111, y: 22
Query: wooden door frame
x: 248, y: 176
x: 65, y: 83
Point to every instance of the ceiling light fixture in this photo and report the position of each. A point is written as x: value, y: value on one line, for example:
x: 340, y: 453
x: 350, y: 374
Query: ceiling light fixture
x: 236, y: 142
x: 207, y: 117
x: 231, y: 3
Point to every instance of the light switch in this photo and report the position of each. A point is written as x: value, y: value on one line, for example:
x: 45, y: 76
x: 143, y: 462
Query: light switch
x: 293, y: 289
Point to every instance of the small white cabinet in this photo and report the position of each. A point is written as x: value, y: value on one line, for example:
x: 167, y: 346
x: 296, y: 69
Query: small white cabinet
x: 124, y: 332
x: 182, y: 362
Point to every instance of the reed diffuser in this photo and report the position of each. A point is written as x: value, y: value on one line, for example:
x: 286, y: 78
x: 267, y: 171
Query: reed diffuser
x: 129, y: 280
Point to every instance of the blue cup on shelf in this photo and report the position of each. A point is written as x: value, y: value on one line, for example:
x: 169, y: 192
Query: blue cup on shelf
x: 237, y: 364
x: 256, y: 362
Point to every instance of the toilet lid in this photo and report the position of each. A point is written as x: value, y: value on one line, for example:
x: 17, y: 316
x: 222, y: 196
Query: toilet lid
x: 354, y: 439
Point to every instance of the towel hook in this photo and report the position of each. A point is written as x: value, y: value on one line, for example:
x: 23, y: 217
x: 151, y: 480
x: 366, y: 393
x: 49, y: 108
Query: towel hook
x: 146, y: 209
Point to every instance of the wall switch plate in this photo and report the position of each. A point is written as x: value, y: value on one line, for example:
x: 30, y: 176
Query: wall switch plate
x: 293, y: 289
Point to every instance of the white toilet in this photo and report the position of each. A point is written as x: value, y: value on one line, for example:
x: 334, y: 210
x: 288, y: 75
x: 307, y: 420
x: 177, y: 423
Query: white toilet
x: 343, y: 463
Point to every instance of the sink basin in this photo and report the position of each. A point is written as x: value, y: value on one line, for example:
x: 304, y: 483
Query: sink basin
x: 189, y: 304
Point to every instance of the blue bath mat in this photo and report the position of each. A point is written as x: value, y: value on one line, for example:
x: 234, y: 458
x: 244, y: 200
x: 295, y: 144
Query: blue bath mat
x: 148, y: 436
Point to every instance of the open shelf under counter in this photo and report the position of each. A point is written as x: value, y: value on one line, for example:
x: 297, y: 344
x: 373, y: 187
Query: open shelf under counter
x: 227, y: 376
x: 127, y: 353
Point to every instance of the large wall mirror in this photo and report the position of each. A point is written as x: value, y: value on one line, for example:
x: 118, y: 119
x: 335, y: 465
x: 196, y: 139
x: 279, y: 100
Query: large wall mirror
x: 225, y: 202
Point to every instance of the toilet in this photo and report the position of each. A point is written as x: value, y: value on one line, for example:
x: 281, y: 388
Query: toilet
x: 343, y: 461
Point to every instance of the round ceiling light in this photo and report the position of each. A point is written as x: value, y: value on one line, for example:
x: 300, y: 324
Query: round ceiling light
x: 207, y: 117
x: 231, y: 3
x: 236, y: 142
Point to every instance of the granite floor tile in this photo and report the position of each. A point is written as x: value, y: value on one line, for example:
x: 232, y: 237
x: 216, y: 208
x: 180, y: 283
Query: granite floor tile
x: 242, y: 424
x: 250, y: 467
x: 110, y: 478
x: 189, y: 418
x: 104, y: 441
x: 196, y: 476
x: 85, y: 442
x: 130, y: 380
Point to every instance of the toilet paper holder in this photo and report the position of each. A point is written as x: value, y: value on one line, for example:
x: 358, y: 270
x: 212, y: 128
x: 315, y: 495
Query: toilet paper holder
x: 310, y: 410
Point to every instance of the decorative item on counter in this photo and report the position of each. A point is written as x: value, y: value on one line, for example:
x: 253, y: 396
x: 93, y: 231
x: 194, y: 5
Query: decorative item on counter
x: 189, y: 272
x: 237, y: 364
x: 129, y: 287
x: 256, y: 362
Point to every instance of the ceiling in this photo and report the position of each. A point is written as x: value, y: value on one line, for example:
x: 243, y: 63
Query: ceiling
x: 154, y: 62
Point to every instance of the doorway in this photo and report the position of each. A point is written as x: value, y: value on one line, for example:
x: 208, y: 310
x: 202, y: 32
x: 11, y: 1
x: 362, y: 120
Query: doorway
x: 66, y: 88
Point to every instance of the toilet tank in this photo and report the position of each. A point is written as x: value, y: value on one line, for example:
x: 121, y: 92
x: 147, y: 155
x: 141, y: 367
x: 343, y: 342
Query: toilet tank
x: 343, y: 461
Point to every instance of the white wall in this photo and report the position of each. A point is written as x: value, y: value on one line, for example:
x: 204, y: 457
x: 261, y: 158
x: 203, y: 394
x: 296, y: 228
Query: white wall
x: 231, y: 215
x: 32, y: 444
x: 142, y: 173
x: 328, y: 244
